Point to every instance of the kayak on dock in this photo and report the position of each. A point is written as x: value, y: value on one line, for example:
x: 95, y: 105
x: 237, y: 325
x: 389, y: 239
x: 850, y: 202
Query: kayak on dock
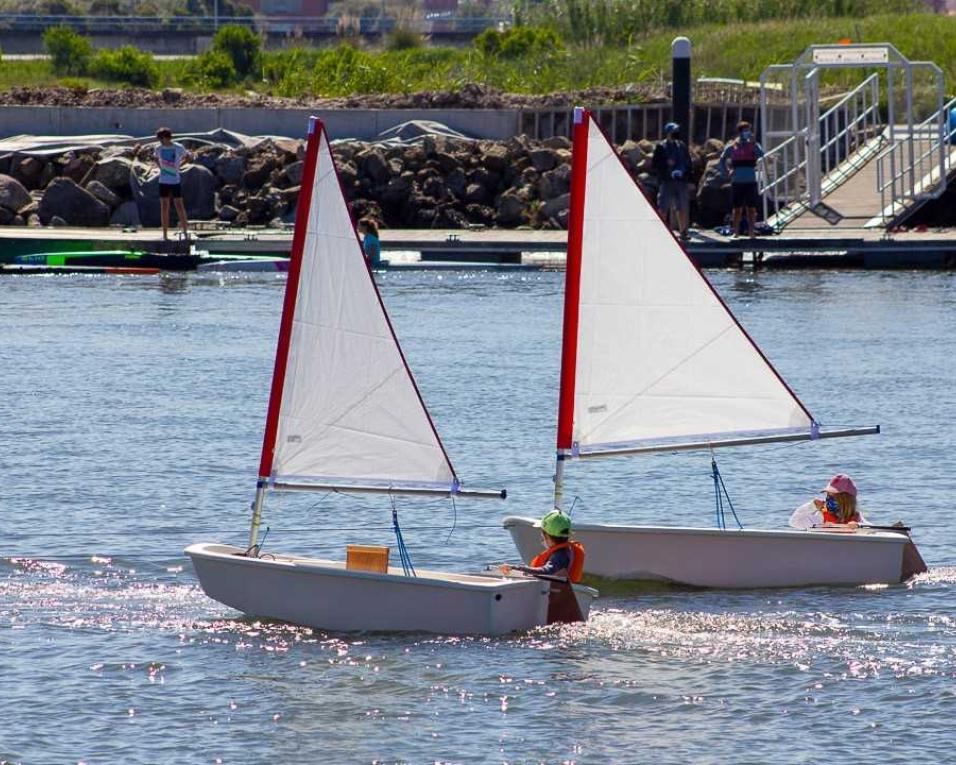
x: 24, y: 269
x: 110, y: 259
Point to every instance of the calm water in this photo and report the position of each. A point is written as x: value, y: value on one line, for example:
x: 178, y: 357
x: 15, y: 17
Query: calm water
x: 131, y: 413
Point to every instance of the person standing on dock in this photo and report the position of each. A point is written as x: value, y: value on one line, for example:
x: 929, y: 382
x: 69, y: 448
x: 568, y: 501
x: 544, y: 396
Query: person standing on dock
x: 672, y: 164
x: 742, y: 153
x: 170, y: 157
x: 371, y: 244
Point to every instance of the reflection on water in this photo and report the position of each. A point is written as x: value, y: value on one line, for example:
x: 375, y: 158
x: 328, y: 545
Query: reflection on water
x: 132, y: 413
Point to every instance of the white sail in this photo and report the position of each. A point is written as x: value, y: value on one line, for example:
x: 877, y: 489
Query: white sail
x: 660, y: 358
x: 350, y: 411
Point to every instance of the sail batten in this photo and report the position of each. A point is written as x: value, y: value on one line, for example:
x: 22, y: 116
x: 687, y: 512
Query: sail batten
x: 347, y: 402
x: 658, y: 356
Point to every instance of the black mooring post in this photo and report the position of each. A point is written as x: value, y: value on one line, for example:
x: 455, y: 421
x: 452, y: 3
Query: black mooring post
x: 680, y: 89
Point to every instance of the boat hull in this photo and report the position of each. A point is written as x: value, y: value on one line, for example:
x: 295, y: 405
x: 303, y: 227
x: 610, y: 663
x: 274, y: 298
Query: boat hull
x: 747, y: 558
x: 325, y: 595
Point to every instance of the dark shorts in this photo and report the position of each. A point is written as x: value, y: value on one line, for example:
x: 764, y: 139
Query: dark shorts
x: 745, y: 195
x: 673, y: 194
x: 174, y: 190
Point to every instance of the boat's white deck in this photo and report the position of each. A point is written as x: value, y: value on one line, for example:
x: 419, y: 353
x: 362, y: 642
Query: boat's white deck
x: 490, y: 580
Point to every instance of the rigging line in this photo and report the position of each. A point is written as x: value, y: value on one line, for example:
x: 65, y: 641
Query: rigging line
x: 573, y: 503
x: 403, y: 554
x: 454, y: 523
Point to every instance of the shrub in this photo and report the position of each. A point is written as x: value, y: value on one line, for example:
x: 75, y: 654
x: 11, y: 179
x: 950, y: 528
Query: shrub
x: 518, y: 41
x: 126, y: 64
x: 214, y: 69
x: 241, y: 45
x: 69, y: 52
x: 404, y: 38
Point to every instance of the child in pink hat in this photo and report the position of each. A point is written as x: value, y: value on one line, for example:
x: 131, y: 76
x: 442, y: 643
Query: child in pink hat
x: 838, y: 508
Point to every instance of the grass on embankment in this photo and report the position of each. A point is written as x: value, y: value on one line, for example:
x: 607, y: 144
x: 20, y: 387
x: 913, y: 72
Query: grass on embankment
x: 738, y: 50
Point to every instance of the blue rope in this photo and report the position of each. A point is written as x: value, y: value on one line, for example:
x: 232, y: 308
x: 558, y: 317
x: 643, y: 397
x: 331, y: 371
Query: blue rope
x: 403, y: 553
x: 718, y: 499
x: 720, y: 492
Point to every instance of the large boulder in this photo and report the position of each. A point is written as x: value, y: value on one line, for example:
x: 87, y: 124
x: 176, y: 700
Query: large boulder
x: 258, y: 172
x: 112, y: 173
x: 199, y: 192
x: 76, y: 168
x: 231, y: 167
x: 65, y: 200
x: 293, y: 172
x: 146, y: 197
x: 510, y: 209
x: 542, y: 159
x: 126, y: 215
x: 495, y: 155
x: 553, y: 207
x: 13, y: 195
x: 102, y: 193
x: 713, y: 196
x: 372, y: 164
x: 27, y: 170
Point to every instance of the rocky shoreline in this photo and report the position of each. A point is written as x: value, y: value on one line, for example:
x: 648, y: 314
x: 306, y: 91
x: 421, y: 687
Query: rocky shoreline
x: 433, y: 182
x: 468, y: 96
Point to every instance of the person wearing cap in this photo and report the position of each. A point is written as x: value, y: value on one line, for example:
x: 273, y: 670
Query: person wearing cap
x: 170, y: 156
x: 837, y: 508
x: 561, y: 557
x: 671, y: 162
x: 742, y: 153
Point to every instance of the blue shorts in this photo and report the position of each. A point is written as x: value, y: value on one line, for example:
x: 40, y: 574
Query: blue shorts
x: 174, y: 190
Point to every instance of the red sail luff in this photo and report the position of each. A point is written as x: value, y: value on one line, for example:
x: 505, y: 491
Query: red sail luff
x: 572, y: 278
x: 291, y: 292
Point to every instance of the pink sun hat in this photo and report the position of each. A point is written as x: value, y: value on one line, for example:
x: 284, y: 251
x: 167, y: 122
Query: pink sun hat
x: 841, y: 484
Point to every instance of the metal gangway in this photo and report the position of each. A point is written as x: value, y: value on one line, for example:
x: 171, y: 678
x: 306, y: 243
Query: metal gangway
x: 865, y: 159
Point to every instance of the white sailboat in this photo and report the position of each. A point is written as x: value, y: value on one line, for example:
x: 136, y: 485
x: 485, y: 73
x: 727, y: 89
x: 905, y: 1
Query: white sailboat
x: 652, y: 361
x: 345, y: 415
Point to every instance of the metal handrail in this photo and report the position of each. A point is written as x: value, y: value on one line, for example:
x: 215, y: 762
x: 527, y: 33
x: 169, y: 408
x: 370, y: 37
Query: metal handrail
x: 904, y: 176
x: 844, y: 129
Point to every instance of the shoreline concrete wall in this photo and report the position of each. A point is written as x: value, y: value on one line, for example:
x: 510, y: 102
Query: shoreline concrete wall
x: 362, y: 124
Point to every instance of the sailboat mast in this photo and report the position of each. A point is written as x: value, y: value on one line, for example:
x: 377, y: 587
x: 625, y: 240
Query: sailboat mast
x: 572, y: 292
x: 285, y: 326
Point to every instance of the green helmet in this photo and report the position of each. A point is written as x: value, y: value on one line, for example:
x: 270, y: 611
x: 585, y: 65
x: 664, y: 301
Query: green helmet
x: 555, y: 524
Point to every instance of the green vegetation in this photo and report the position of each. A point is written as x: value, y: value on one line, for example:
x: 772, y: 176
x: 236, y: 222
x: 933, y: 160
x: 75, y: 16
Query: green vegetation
x: 519, y: 42
x: 242, y: 46
x: 235, y: 56
x: 404, y: 39
x: 520, y: 60
x: 69, y: 52
x: 214, y: 70
x: 622, y: 22
x: 126, y: 65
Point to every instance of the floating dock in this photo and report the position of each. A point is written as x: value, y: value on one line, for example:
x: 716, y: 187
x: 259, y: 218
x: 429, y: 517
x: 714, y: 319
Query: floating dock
x: 806, y: 248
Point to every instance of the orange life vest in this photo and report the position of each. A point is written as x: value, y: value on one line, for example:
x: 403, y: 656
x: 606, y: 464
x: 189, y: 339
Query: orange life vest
x: 576, y: 569
x: 829, y: 517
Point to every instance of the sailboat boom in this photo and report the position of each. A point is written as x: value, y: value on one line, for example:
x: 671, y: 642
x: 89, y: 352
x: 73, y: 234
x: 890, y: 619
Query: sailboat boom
x: 412, y: 490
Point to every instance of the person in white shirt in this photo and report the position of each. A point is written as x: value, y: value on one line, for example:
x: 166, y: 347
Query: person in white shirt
x: 838, y: 508
x: 170, y: 156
